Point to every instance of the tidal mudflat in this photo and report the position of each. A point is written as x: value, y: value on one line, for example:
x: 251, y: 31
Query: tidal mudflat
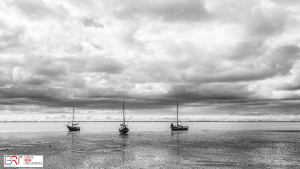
x: 153, y: 145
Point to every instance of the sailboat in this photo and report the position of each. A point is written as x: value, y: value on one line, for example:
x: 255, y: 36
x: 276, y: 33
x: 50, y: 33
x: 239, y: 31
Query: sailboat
x: 123, y: 128
x: 178, y: 127
x: 74, y: 126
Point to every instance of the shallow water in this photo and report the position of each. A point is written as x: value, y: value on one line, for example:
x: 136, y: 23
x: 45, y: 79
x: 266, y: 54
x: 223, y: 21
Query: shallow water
x: 153, y: 145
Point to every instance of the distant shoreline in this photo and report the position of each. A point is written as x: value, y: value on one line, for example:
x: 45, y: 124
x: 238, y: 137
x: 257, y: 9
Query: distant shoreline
x: 146, y: 121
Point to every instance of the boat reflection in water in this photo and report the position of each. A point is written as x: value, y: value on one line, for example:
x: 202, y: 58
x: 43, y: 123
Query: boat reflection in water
x: 175, y: 134
x: 73, y: 136
x: 124, y: 138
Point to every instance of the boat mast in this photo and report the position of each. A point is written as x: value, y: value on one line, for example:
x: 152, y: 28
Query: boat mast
x: 123, y: 112
x: 73, y: 116
x: 177, y: 113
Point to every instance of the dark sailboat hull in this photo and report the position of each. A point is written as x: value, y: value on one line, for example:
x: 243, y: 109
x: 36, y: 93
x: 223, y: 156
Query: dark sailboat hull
x: 179, y: 128
x: 72, y: 128
x: 124, y: 130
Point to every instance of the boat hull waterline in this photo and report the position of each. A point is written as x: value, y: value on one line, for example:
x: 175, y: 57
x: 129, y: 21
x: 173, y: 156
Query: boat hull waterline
x: 123, y: 130
x: 73, y: 128
x: 180, y: 128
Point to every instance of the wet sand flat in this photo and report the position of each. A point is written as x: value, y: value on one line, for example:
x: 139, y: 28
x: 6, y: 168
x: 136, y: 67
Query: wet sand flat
x: 158, y: 149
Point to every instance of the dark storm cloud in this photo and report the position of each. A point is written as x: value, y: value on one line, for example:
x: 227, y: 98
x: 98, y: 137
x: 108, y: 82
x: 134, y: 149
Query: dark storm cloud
x: 105, y: 103
x: 104, y: 92
x: 262, y: 107
x: 177, y: 10
x: 213, y: 91
x: 28, y: 92
x: 250, y: 74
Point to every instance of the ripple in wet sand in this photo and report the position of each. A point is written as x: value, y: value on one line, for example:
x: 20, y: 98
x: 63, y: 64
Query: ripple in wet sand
x: 5, y: 148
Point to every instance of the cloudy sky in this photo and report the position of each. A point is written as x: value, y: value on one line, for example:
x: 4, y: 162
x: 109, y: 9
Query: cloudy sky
x: 218, y: 59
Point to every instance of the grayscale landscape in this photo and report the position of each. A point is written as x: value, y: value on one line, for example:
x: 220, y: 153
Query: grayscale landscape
x: 151, y: 83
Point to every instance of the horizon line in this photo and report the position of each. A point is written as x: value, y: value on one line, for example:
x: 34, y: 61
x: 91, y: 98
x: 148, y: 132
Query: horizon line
x: 162, y: 121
